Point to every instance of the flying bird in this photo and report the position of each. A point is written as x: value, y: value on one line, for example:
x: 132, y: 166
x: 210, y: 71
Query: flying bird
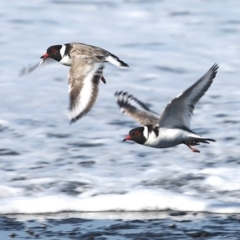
x: 86, y: 70
x: 173, y: 126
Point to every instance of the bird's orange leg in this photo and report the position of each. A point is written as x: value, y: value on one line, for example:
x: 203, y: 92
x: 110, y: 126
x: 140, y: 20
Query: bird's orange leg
x: 193, y: 149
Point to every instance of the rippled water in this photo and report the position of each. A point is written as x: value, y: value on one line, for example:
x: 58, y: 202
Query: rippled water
x: 122, y: 226
x: 47, y: 165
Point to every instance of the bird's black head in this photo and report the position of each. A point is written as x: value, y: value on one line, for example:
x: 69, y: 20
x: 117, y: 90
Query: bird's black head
x: 136, y: 135
x: 53, y: 52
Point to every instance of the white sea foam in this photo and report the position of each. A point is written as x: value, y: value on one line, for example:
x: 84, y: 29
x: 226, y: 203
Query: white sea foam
x: 136, y: 200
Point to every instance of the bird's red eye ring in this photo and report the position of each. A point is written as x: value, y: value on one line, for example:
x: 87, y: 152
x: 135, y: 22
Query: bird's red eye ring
x: 137, y: 133
x: 54, y: 50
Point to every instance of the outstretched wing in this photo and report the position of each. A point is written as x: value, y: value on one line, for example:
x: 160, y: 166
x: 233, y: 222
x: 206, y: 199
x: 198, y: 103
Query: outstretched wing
x: 131, y: 106
x: 29, y: 69
x: 84, y: 76
x: 178, y: 112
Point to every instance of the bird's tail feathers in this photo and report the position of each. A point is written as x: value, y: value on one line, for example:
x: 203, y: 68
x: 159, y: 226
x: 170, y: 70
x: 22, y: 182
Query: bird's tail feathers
x: 198, y: 139
x: 116, y: 61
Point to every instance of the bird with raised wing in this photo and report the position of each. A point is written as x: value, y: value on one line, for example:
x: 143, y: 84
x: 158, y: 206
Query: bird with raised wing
x: 86, y: 70
x: 173, y: 126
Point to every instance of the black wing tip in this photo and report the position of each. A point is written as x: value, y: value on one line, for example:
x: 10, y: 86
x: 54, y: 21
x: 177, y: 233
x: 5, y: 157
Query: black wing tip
x: 214, y: 68
x: 121, y: 101
x: 78, y: 117
x: 207, y: 140
x: 71, y: 121
x: 211, y: 140
x: 119, y: 93
x: 123, y: 64
x: 122, y: 97
x: 74, y: 120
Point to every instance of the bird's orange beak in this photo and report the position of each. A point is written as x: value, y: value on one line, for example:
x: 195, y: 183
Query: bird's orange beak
x: 127, y: 138
x: 45, y: 56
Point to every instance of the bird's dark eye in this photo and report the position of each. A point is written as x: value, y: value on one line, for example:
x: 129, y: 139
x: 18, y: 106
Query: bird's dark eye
x: 54, y: 50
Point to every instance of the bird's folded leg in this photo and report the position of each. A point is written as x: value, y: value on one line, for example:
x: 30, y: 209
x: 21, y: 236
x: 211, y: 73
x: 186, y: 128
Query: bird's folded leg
x: 103, y: 80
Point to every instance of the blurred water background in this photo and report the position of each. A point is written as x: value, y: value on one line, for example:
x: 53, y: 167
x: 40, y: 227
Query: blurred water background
x: 48, y: 166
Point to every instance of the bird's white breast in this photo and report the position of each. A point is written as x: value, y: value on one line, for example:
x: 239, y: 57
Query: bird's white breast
x: 66, y: 60
x: 166, y: 138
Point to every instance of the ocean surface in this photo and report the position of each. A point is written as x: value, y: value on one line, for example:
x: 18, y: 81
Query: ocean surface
x: 48, y: 166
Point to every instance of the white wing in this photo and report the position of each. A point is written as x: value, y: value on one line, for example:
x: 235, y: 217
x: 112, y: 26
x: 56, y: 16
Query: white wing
x: 83, y: 82
x: 178, y: 112
x: 131, y: 106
